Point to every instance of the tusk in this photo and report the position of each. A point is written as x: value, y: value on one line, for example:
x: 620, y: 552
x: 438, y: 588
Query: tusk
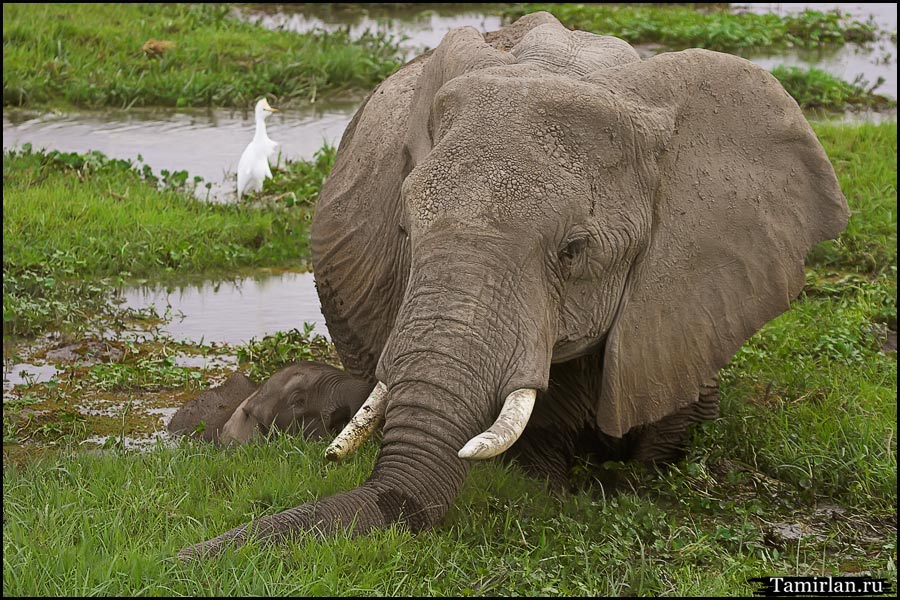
x: 505, y: 430
x: 363, y: 423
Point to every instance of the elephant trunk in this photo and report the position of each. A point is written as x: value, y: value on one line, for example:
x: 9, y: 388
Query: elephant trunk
x: 449, y: 364
x: 416, y: 477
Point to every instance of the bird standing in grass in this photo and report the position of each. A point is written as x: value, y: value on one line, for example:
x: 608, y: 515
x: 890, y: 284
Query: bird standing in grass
x: 254, y: 165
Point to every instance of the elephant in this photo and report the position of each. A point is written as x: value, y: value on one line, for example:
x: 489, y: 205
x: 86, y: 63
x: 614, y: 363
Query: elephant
x: 206, y: 415
x: 534, y: 242
x: 313, y: 399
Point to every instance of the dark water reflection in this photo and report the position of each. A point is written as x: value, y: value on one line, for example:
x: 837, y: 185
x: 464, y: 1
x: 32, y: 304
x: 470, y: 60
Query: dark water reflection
x: 235, y: 311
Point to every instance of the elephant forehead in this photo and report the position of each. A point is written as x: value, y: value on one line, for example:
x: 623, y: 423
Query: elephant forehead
x: 487, y: 183
x: 510, y: 146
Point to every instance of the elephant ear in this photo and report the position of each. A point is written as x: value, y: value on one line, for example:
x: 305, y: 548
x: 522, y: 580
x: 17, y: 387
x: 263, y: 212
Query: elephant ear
x: 743, y: 191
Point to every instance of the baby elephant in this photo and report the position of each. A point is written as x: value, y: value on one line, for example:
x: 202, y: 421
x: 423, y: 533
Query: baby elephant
x: 314, y: 399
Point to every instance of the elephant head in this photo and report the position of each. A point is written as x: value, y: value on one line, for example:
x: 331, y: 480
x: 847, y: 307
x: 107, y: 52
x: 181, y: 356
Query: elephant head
x: 547, y: 202
x: 314, y: 399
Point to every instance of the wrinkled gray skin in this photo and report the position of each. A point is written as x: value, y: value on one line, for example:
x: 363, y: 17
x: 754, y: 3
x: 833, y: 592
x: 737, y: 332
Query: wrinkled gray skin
x: 310, y: 398
x: 205, y: 415
x: 542, y: 208
x: 314, y: 399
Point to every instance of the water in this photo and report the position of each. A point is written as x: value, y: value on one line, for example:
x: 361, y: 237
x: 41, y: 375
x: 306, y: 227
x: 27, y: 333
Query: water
x: 873, y: 61
x: 234, y: 312
x: 26, y: 373
x: 207, y: 143
x: 884, y: 13
x: 230, y: 312
x: 418, y: 29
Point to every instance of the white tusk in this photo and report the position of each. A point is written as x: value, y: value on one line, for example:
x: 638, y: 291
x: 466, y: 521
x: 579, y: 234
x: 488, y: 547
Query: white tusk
x: 361, y: 426
x: 505, y: 430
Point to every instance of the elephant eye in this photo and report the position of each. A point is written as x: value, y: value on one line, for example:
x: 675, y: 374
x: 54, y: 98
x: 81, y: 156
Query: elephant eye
x: 403, y: 230
x: 574, y: 247
x: 571, y: 257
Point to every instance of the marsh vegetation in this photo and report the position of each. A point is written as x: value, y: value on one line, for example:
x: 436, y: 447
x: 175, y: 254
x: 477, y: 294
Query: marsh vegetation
x: 125, y: 55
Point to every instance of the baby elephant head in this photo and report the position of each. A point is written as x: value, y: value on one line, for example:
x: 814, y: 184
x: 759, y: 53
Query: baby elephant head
x: 314, y: 399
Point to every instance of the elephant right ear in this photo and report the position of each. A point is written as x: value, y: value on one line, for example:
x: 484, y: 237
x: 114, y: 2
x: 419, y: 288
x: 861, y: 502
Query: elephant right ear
x: 742, y: 191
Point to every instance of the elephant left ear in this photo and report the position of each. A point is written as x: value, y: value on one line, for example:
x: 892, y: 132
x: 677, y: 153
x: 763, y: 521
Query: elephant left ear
x: 743, y: 191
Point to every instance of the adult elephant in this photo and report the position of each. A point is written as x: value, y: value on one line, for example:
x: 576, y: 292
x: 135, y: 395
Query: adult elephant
x: 539, y: 212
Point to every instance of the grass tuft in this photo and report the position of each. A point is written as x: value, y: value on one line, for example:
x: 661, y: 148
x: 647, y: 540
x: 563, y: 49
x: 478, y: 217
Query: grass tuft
x: 123, y: 55
x: 681, y: 27
x: 815, y: 89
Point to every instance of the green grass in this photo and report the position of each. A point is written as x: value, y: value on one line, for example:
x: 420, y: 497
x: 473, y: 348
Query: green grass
x: 816, y: 89
x: 90, y: 55
x: 73, y: 225
x: 84, y: 524
x: 263, y: 357
x: 680, y: 27
x: 864, y: 157
x: 807, y: 439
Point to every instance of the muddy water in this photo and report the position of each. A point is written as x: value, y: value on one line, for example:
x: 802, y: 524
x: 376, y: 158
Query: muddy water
x: 416, y: 28
x: 205, y: 143
x: 234, y: 312
x: 874, y: 61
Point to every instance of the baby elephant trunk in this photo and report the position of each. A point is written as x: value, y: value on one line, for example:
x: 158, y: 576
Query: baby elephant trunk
x: 416, y: 477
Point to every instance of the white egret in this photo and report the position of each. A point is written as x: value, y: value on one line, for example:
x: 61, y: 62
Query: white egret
x: 254, y: 165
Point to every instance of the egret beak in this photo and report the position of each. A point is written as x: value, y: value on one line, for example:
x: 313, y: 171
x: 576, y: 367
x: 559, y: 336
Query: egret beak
x: 270, y: 109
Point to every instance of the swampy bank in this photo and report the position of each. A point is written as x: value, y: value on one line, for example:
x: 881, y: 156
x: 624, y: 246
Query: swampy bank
x: 130, y: 286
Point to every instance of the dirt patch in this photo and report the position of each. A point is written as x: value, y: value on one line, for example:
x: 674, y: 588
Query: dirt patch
x: 86, y: 353
x: 890, y: 343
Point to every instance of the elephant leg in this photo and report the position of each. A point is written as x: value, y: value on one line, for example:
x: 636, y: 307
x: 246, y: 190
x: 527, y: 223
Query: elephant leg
x: 562, y: 427
x: 664, y: 441
x: 544, y: 454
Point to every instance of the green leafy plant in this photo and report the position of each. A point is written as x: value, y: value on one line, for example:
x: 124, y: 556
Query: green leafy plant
x: 267, y: 355
x: 681, y: 27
